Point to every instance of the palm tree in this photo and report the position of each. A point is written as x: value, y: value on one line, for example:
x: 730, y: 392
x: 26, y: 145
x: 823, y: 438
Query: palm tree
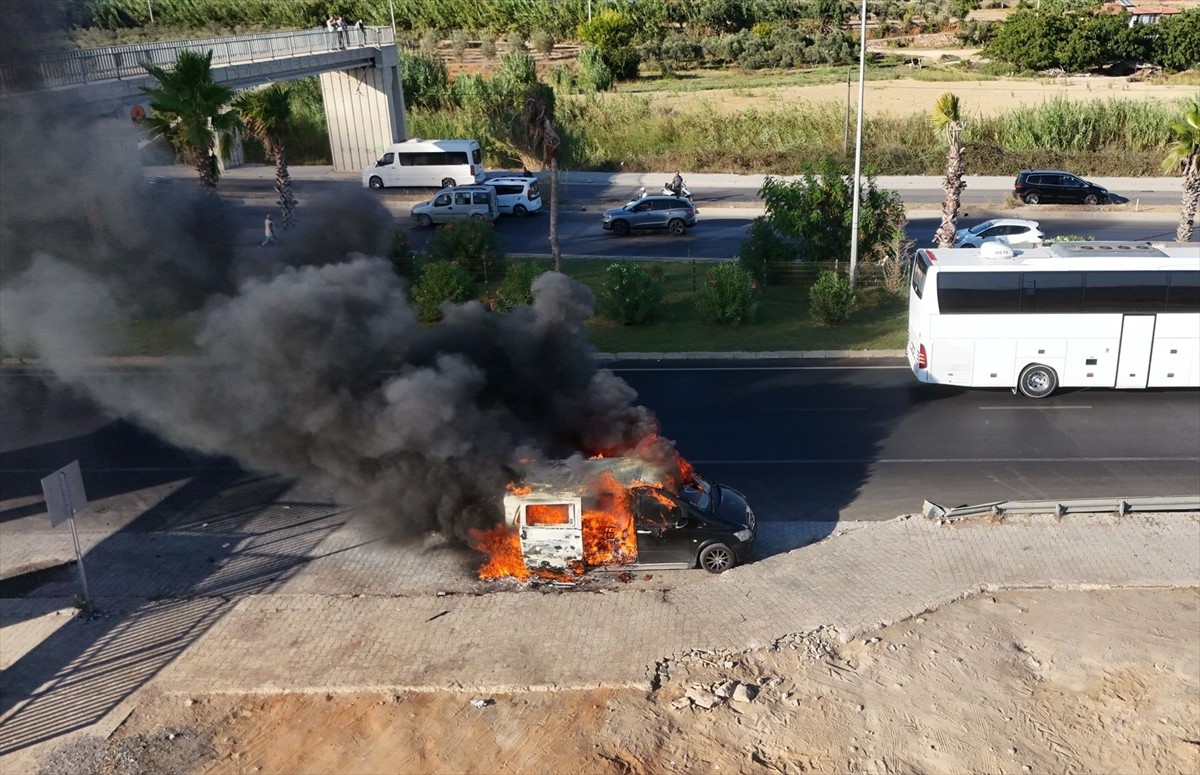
x: 537, y: 118
x: 188, y: 107
x: 947, y: 123
x: 266, y: 114
x: 1184, y: 154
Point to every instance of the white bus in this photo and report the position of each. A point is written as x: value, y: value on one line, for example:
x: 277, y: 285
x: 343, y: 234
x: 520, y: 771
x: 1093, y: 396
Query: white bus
x: 1074, y: 314
x: 417, y: 162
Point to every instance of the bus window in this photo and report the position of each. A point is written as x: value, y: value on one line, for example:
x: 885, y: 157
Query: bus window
x: 1043, y: 292
x: 1184, y: 293
x: 476, y: 155
x: 1125, y: 292
x: 455, y: 157
x: 386, y: 160
x: 919, y: 271
x: 979, y: 293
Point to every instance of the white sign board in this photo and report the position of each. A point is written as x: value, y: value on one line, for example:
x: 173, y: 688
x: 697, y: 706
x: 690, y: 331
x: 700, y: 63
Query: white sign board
x: 64, y: 493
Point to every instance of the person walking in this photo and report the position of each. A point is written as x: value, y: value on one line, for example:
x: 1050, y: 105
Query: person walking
x: 268, y: 232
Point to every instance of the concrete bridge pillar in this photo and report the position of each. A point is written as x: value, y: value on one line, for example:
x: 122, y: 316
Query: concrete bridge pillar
x: 364, y: 110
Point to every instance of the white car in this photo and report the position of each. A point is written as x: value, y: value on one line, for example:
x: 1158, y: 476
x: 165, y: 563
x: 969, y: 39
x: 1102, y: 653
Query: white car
x: 1015, y: 232
x: 519, y: 196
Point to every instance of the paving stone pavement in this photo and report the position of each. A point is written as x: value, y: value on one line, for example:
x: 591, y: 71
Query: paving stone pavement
x: 311, y: 602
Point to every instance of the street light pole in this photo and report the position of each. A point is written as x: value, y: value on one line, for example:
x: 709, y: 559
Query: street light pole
x: 150, y: 7
x: 862, y: 70
x: 392, y: 8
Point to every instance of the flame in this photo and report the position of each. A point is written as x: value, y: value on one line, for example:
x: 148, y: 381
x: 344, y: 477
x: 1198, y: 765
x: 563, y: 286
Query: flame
x: 608, y: 532
x: 502, y: 546
x: 609, y: 536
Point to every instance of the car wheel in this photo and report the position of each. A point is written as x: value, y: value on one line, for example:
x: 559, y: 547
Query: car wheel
x: 1091, y: 199
x: 620, y: 228
x: 676, y: 227
x: 717, y: 558
x: 1037, y: 381
x: 376, y: 183
x: 520, y: 211
x: 424, y: 220
x: 448, y: 183
x: 1032, y: 198
x: 477, y: 217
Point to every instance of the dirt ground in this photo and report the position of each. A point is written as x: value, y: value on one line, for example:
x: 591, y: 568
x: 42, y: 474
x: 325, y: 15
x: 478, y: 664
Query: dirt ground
x: 1013, y: 682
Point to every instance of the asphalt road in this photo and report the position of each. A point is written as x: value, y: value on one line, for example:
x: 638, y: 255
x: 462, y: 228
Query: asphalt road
x: 854, y: 440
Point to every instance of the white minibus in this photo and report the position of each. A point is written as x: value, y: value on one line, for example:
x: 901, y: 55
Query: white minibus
x: 1073, y: 314
x: 417, y: 162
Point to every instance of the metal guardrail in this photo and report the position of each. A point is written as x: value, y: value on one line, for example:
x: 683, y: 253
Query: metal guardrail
x: 1120, y: 506
x: 67, y: 68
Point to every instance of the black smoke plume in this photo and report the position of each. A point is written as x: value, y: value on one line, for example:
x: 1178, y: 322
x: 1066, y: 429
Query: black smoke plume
x: 311, y: 362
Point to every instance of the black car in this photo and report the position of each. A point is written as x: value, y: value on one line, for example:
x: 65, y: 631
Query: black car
x: 704, y: 524
x: 1043, y: 186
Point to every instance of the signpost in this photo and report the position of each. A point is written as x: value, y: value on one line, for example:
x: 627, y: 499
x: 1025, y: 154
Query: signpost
x: 64, y: 495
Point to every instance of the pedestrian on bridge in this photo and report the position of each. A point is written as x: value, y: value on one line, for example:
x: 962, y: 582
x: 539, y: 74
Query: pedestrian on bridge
x: 362, y: 31
x: 340, y: 26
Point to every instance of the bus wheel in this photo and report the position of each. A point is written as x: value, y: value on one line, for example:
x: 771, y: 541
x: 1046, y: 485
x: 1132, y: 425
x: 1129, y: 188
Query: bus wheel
x: 1037, y: 381
x: 447, y: 182
x: 376, y: 182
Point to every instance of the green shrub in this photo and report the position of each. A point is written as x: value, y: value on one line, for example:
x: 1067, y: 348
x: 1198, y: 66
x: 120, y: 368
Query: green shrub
x: 515, y: 289
x: 766, y: 254
x: 680, y: 53
x: 630, y: 293
x: 516, y: 41
x: 487, y: 47
x: 594, y: 73
x: 613, y: 34
x: 542, y: 42
x: 440, y: 281
x: 459, y: 40
x: 729, y: 296
x: 831, y: 299
x: 430, y: 39
x: 426, y: 81
x: 472, y: 245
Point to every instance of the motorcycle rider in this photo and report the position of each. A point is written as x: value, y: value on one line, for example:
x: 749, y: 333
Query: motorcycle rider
x: 676, y: 184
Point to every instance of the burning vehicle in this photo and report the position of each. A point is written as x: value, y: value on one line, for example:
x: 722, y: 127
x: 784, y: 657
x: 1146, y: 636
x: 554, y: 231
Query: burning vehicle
x: 566, y: 516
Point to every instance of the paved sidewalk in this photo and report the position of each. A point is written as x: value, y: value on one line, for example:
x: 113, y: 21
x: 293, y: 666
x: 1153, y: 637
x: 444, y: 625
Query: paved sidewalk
x: 299, y: 597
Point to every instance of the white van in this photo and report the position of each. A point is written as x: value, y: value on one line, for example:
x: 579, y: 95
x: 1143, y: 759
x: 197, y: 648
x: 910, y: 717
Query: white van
x: 516, y: 195
x: 417, y: 162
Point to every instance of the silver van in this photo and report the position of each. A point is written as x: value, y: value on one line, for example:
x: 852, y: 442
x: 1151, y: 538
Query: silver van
x: 474, y: 202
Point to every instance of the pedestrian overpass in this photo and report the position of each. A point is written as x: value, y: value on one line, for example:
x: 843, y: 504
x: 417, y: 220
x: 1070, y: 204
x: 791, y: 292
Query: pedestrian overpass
x: 359, y: 72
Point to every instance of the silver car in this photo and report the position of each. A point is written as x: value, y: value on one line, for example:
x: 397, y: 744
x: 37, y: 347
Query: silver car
x: 673, y: 213
x: 475, y: 202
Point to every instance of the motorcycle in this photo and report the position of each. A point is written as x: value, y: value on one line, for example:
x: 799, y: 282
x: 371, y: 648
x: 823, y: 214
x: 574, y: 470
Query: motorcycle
x: 683, y: 191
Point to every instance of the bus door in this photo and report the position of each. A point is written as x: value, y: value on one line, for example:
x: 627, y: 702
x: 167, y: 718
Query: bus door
x: 1137, y: 340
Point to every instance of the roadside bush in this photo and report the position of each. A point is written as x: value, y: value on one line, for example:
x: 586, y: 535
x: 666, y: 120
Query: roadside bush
x: 487, y: 47
x: 630, y: 293
x: 542, y: 42
x: 817, y: 211
x: 728, y: 296
x: 516, y: 41
x: 765, y: 254
x: 440, y: 281
x: 831, y: 299
x: 516, y: 287
x: 472, y: 245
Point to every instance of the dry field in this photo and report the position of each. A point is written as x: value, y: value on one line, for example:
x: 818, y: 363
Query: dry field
x: 1026, y: 681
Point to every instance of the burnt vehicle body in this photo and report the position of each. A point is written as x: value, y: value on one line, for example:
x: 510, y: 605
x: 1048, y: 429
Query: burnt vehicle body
x: 705, y: 525
x: 617, y: 513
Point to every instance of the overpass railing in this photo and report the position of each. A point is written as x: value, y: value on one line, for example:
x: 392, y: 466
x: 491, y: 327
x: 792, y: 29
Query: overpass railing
x: 67, y: 68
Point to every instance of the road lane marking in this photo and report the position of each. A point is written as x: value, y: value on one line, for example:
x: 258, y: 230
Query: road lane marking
x: 755, y: 368
x: 1039, y: 408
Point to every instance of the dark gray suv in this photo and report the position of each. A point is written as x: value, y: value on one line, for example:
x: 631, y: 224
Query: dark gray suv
x: 1043, y: 186
x: 675, y: 214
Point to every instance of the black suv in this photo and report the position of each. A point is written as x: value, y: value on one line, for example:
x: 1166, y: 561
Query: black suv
x: 1037, y: 186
